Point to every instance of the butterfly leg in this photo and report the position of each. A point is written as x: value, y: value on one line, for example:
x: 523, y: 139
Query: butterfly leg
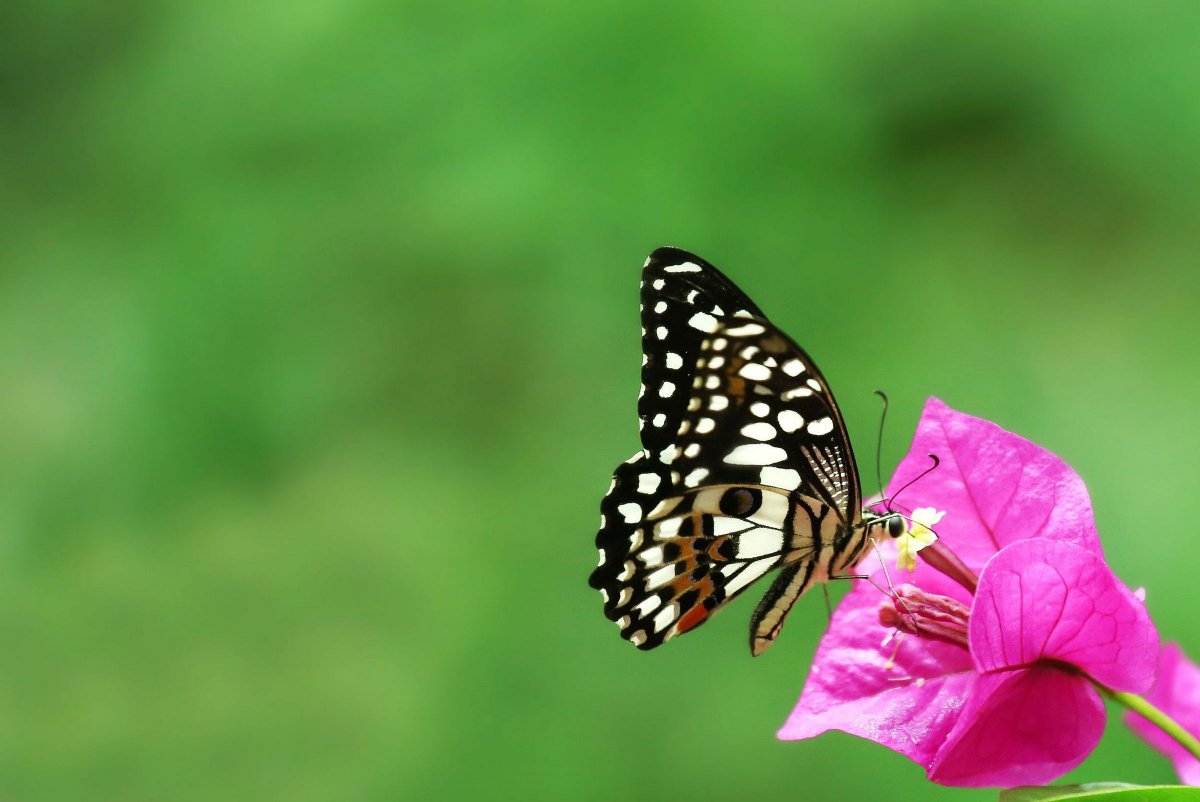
x: 825, y: 590
x: 890, y: 592
x: 883, y: 565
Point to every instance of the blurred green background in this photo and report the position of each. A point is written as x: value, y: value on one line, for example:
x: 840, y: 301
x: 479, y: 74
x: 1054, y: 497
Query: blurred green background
x: 318, y: 344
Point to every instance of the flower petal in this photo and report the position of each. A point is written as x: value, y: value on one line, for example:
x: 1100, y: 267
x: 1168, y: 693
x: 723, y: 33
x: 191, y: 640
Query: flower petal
x: 1050, y: 600
x: 1024, y: 727
x: 998, y: 487
x: 904, y: 694
x: 1176, y: 693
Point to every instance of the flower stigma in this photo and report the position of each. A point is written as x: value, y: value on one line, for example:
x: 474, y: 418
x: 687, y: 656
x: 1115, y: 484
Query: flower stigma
x: 918, y: 536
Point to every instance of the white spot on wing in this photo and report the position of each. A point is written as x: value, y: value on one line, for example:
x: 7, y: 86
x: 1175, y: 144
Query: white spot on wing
x: 727, y: 526
x: 820, y: 426
x: 669, y: 527
x: 705, y: 425
x: 660, y: 577
x: 660, y: 419
x: 751, y: 572
x: 686, y: 267
x: 793, y: 367
x: 659, y: 284
x: 652, y: 556
x: 783, y: 478
x: 661, y: 331
x: 747, y: 330
x: 755, y: 372
x: 760, y: 409
x: 695, y: 477
x: 674, y: 361
x: 648, y: 483
x: 632, y: 512
x: 665, y: 617
x: 666, y: 390
x: 755, y: 454
x: 790, y: 420
x: 660, y: 307
x: 704, y: 322
x: 760, y: 430
x: 759, y: 542
x: 717, y: 403
x: 602, y: 557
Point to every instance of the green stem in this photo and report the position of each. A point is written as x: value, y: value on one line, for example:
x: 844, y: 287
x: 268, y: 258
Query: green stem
x: 1155, y: 716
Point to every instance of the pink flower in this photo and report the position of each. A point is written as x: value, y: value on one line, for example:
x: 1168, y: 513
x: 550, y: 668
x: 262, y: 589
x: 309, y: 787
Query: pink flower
x: 1176, y: 693
x: 985, y: 688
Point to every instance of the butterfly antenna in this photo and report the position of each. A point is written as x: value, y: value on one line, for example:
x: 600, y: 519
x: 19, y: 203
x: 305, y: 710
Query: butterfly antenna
x: 918, y: 477
x: 879, y: 448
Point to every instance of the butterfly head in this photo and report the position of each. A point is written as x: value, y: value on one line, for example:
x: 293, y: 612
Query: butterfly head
x: 886, y: 526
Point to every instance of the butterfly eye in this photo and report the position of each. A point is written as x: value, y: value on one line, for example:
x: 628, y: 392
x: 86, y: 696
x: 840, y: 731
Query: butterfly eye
x: 738, y: 502
x: 895, y: 526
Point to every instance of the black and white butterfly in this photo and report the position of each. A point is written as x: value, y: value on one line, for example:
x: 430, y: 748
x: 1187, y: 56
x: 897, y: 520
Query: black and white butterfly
x: 745, y: 467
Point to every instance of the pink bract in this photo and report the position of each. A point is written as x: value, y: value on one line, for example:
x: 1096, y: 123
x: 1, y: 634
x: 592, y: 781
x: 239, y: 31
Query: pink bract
x: 1012, y: 708
x: 995, y: 486
x: 1176, y: 693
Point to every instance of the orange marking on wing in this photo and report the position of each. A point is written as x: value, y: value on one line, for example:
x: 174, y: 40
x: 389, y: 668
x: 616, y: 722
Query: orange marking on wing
x: 687, y: 547
x: 714, y: 548
x: 680, y: 585
x: 691, y: 619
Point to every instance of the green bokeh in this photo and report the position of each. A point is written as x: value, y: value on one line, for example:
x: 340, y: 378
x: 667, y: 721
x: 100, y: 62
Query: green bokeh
x: 318, y: 340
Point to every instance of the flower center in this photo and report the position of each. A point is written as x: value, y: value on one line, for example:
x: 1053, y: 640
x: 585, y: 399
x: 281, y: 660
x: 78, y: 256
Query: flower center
x: 926, y: 615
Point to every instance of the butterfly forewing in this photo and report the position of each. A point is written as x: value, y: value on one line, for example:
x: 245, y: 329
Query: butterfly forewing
x: 761, y: 413
x: 683, y: 297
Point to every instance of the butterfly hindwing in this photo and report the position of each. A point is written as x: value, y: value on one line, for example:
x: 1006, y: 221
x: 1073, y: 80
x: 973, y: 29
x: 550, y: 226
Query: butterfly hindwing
x: 668, y: 572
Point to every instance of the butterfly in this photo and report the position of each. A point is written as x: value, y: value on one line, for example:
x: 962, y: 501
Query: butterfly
x: 745, y: 467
